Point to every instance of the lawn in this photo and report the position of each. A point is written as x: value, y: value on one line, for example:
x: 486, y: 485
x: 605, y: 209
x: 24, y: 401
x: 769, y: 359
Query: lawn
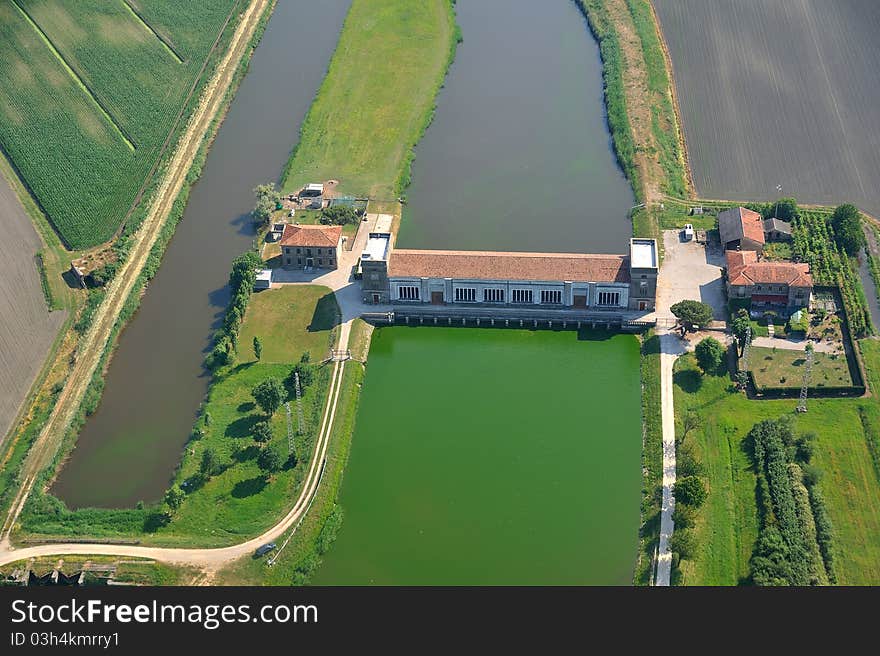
x: 727, y: 526
x: 289, y: 321
x: 90, y: 95
x: 377, y: 98
x: 776, y: 367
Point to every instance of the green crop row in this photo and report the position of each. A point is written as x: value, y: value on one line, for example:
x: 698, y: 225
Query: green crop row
x: 89, y: 98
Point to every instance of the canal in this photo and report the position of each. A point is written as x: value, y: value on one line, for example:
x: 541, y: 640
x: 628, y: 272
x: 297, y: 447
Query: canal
x: 519, y: 156
x: 129, y: 448
x: 492, y: 457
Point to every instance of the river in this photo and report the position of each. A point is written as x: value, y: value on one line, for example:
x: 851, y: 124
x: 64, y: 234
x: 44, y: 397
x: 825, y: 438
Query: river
x: 519, y: 156
x: 129, y: 448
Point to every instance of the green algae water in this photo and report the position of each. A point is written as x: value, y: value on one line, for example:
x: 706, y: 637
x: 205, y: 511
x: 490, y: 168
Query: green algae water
x: 492, y: 457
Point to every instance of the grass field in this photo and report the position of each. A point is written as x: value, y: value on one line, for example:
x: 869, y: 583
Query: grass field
x: 377, y: 98
x: 309, y: 312
x: 90, y: 94
x: 727, y: 525
x: 238, y: 501
x: 785, y: 368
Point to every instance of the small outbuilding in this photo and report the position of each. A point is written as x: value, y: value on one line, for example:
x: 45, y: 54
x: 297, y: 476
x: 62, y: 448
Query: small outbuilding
x: 313, y: 190
x: 777, y: 230
x: 741, y: 229
x: 264, y: 279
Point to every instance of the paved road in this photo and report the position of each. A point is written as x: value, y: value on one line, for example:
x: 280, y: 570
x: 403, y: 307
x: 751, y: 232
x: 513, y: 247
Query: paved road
x: 670, y: 348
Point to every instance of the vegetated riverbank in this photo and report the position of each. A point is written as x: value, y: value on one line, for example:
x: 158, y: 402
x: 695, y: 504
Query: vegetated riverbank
x: 641, y: 104
x: 377, y: 98
x: 15, y: 460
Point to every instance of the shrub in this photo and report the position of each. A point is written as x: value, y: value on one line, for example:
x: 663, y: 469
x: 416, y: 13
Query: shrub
x: 339, y: 215
x: 710, y: 355
x: 269, y: 395
x: 684, y: 543
x: 270, y: 460
x: 262, y: 432
x: 690, y: 491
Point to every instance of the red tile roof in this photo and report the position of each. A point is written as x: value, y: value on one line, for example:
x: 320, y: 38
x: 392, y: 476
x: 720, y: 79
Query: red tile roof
x: 743, y: 268
x: 311, y: 236
x: 740, y: 223
x: 490, y: 265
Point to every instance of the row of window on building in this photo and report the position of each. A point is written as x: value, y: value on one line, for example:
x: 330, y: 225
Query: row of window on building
x: 518, y: 296
x: 299, y: 261
x: 320, y: 251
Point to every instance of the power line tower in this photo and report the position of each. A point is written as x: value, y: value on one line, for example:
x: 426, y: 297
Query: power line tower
x: 300, y: 419
x: 808, y: 371
x: 743, y: 374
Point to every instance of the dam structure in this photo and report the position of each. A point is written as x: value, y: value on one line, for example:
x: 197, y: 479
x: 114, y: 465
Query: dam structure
x: 516, y: 288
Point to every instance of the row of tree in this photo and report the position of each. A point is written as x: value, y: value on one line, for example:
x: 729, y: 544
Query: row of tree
x: 241, y: 283
x: 793, y: 548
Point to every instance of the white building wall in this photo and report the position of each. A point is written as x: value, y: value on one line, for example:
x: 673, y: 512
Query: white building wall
x: 448, y: 286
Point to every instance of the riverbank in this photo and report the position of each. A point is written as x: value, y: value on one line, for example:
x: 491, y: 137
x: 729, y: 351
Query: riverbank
x: 77, y: 392
x: 640, y: 99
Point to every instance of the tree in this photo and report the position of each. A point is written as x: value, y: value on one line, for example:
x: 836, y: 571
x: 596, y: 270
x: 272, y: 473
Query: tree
x: 270, y: 460
x: 684, y: 543
x: 269, y: 395
x: 339, y: 215
x: 692, y: 314
x: 690, y: 491
x: 209, y: 463
x: 847, y: 224
x: 267, y: 199
x: 691, y: 421
x: 244, y: 271
x: 710, y: 355
x: 739, y: 325
x: 258, y: 347
x: 174, y: 497
x: 683, y: 516
x: 262, y: 432
x: 784, y: 209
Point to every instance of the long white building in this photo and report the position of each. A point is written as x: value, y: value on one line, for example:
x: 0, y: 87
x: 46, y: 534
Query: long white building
x: 546, y: 280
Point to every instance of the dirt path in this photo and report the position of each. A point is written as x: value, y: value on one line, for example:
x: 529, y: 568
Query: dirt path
x: 91, y: 347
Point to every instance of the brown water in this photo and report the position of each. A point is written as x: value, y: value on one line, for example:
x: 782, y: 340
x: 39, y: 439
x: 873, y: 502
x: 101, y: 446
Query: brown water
x: 519, y: 156
x: 129, y: 448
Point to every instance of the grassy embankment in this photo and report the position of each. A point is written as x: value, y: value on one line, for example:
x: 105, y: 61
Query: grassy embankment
x: 377, y: 98
x: 639, y: 99
x: 652, y: 459
x: 29, y: 428
x: 846, y: 450
x: 237, y: 501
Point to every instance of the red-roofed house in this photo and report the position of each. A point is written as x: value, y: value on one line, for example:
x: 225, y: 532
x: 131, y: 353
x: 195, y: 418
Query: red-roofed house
x: 741, y: 230
x: 311, y: 246
x: 773, y: 285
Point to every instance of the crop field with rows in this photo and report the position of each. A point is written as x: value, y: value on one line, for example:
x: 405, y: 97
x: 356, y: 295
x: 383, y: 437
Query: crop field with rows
x: 90, y: 92
x: 779, y: 93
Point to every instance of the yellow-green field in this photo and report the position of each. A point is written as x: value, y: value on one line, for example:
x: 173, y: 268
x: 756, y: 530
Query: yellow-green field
x: 377, y: 98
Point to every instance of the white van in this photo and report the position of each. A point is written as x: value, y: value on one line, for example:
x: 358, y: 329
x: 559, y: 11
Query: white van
x: 688, y: 232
